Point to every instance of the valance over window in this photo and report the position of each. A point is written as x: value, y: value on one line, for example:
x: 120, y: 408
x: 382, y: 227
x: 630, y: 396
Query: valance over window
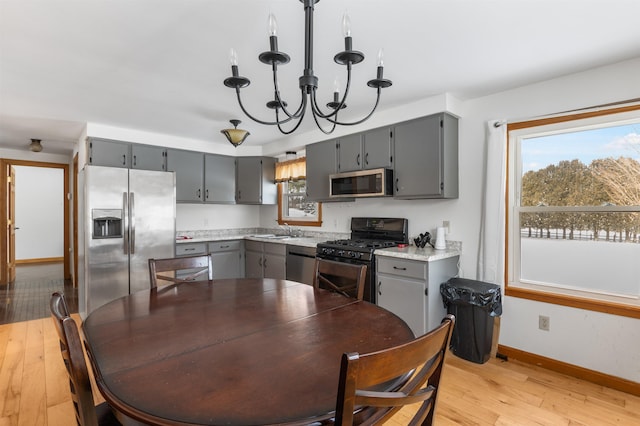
x: 291, y: 170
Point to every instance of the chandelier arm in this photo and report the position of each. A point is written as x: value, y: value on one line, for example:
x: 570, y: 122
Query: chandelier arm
x: 334, y: 113
x: 288, y: 132
x: 315, y: 111
x: 361, y: 120
x: 276, y: 88
x: 257, y: 120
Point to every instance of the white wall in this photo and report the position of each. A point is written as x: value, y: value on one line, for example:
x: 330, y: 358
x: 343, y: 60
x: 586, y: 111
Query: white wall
x: 39, y: 212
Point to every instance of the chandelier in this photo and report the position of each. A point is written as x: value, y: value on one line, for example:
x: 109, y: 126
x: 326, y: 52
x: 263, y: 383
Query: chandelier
x: 308, y: 82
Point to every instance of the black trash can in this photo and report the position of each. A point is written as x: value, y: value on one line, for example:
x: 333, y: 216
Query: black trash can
x: 474, y: 304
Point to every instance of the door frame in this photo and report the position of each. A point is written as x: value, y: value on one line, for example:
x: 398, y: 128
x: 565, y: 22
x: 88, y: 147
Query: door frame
x: 3, y: 211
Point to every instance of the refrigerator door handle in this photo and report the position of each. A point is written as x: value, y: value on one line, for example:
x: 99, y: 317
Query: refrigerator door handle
x: 132, y: 226
x: 125, y: 211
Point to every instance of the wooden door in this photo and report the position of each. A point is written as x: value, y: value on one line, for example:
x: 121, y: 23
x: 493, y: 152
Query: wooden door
x: 11, y: 224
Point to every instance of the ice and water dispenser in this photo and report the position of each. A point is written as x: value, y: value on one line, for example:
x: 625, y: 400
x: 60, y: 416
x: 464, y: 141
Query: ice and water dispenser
x: 107, y: 223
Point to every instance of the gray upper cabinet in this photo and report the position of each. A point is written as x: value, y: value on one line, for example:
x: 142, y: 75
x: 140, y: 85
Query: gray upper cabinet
x: 112, y: 153
x: 321, y: 162
x: 148, y: 157
x: 219, y: 179
x: 426, y: 157
x: 189, y: 169
x: 372, y: 149
x: 378, y: 148
x: 255, y: 180
x: 350, y: 153
x: 109, y: 153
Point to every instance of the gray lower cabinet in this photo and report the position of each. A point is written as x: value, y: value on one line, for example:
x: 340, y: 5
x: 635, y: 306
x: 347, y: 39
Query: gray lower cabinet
x: 227, y: 258
x: 219, y: 179
x: 426, y: 157
x: 189, y: 249
x: 411, y: 289
x: 255, y: 180
x: 265, y: 260
x: 189, y: 169
x: 321, y: 162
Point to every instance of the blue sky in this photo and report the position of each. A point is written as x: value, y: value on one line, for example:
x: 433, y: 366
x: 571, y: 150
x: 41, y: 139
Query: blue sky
x: 587, y: 145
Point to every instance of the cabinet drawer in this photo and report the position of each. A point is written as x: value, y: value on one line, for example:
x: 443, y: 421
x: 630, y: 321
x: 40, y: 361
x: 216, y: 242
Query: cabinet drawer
x: 403, y: 268
x: 219, y: 246
x: 191, y: 249
x: 275, y: 248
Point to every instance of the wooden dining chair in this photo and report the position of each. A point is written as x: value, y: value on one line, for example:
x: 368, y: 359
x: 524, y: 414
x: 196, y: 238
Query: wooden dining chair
x: 196, y: 266
x: 346, y: 278
x: 87, y: 414
x: 419, y: 366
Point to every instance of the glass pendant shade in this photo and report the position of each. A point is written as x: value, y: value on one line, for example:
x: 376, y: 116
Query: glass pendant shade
x: 235, y: 136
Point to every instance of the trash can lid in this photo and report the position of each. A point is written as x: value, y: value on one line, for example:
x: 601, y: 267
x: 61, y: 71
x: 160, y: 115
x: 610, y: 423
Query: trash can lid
x: 465, y: 291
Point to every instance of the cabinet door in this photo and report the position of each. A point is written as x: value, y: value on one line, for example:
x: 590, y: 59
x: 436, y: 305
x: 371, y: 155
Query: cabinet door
x: 321, y: 162
x: 248, y: 180
x: 274, y: 266
x: 219, y: 179
x: 253, y: 264
x: 405, y: 298
x: 350, y: 153
x: 189, y: 169
x: 226, y: 264
x: 103, y: 152
x: 418, y: 155
x: 378, y: 149
x: 148, y: 157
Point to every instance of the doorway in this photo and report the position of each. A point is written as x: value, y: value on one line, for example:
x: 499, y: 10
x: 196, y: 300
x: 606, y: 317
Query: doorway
x: 7, y: 253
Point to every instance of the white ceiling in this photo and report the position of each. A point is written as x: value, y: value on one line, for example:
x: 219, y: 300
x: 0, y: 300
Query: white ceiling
x: 158, y: 65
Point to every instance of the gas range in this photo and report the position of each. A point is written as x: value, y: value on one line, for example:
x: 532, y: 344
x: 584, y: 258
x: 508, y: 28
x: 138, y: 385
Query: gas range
x: 353, y: 249
x: 367, y: 235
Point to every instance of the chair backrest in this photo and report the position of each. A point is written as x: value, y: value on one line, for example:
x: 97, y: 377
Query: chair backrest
x: 346, y: 278
x: 418, y: 365
x: 196, y: 266
x: 73, y: 356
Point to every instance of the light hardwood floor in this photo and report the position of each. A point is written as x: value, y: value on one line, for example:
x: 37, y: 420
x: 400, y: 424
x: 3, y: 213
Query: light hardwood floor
x: 34, y: 389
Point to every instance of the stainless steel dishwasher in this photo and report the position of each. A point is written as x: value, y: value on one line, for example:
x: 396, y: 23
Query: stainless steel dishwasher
x: 300, y: 263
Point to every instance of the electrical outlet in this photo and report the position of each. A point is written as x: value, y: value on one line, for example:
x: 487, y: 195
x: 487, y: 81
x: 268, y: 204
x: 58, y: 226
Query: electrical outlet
x: 447, y: 226
x: 543, y: 323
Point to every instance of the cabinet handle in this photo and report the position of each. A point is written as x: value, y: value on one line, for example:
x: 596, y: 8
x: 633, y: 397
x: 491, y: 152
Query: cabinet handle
x: 426, y: 291
x: 366, y: 159
x: 189, y: 249
x: 260, y: 262
x: 124, y: 159
x: 199, y: 192
x: 264, y: 263
x: 380, y: 288
x: 397, y: 189
x: 135, y: 160
x: 358, y: 160
x: 224, y: 246
x: 399, y: 269
x: 206, y: 194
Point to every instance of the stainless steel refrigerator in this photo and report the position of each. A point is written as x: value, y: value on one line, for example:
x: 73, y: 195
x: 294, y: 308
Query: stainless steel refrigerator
x: 127, y: 216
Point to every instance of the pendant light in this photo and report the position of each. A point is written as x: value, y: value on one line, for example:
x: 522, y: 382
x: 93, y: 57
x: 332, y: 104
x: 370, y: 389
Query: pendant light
x: 235, y: 136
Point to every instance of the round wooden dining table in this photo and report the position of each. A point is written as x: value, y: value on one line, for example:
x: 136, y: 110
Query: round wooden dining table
x: 231, y: 351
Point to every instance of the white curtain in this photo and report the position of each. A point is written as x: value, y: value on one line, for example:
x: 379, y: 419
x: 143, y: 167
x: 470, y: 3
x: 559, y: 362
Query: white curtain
x: 492, y: 225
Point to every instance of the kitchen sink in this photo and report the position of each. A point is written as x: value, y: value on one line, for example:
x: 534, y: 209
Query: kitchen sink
x: 273, y: 236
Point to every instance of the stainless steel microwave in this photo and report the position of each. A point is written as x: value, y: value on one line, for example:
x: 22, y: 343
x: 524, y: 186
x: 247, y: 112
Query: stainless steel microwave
x: 362, y: 183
